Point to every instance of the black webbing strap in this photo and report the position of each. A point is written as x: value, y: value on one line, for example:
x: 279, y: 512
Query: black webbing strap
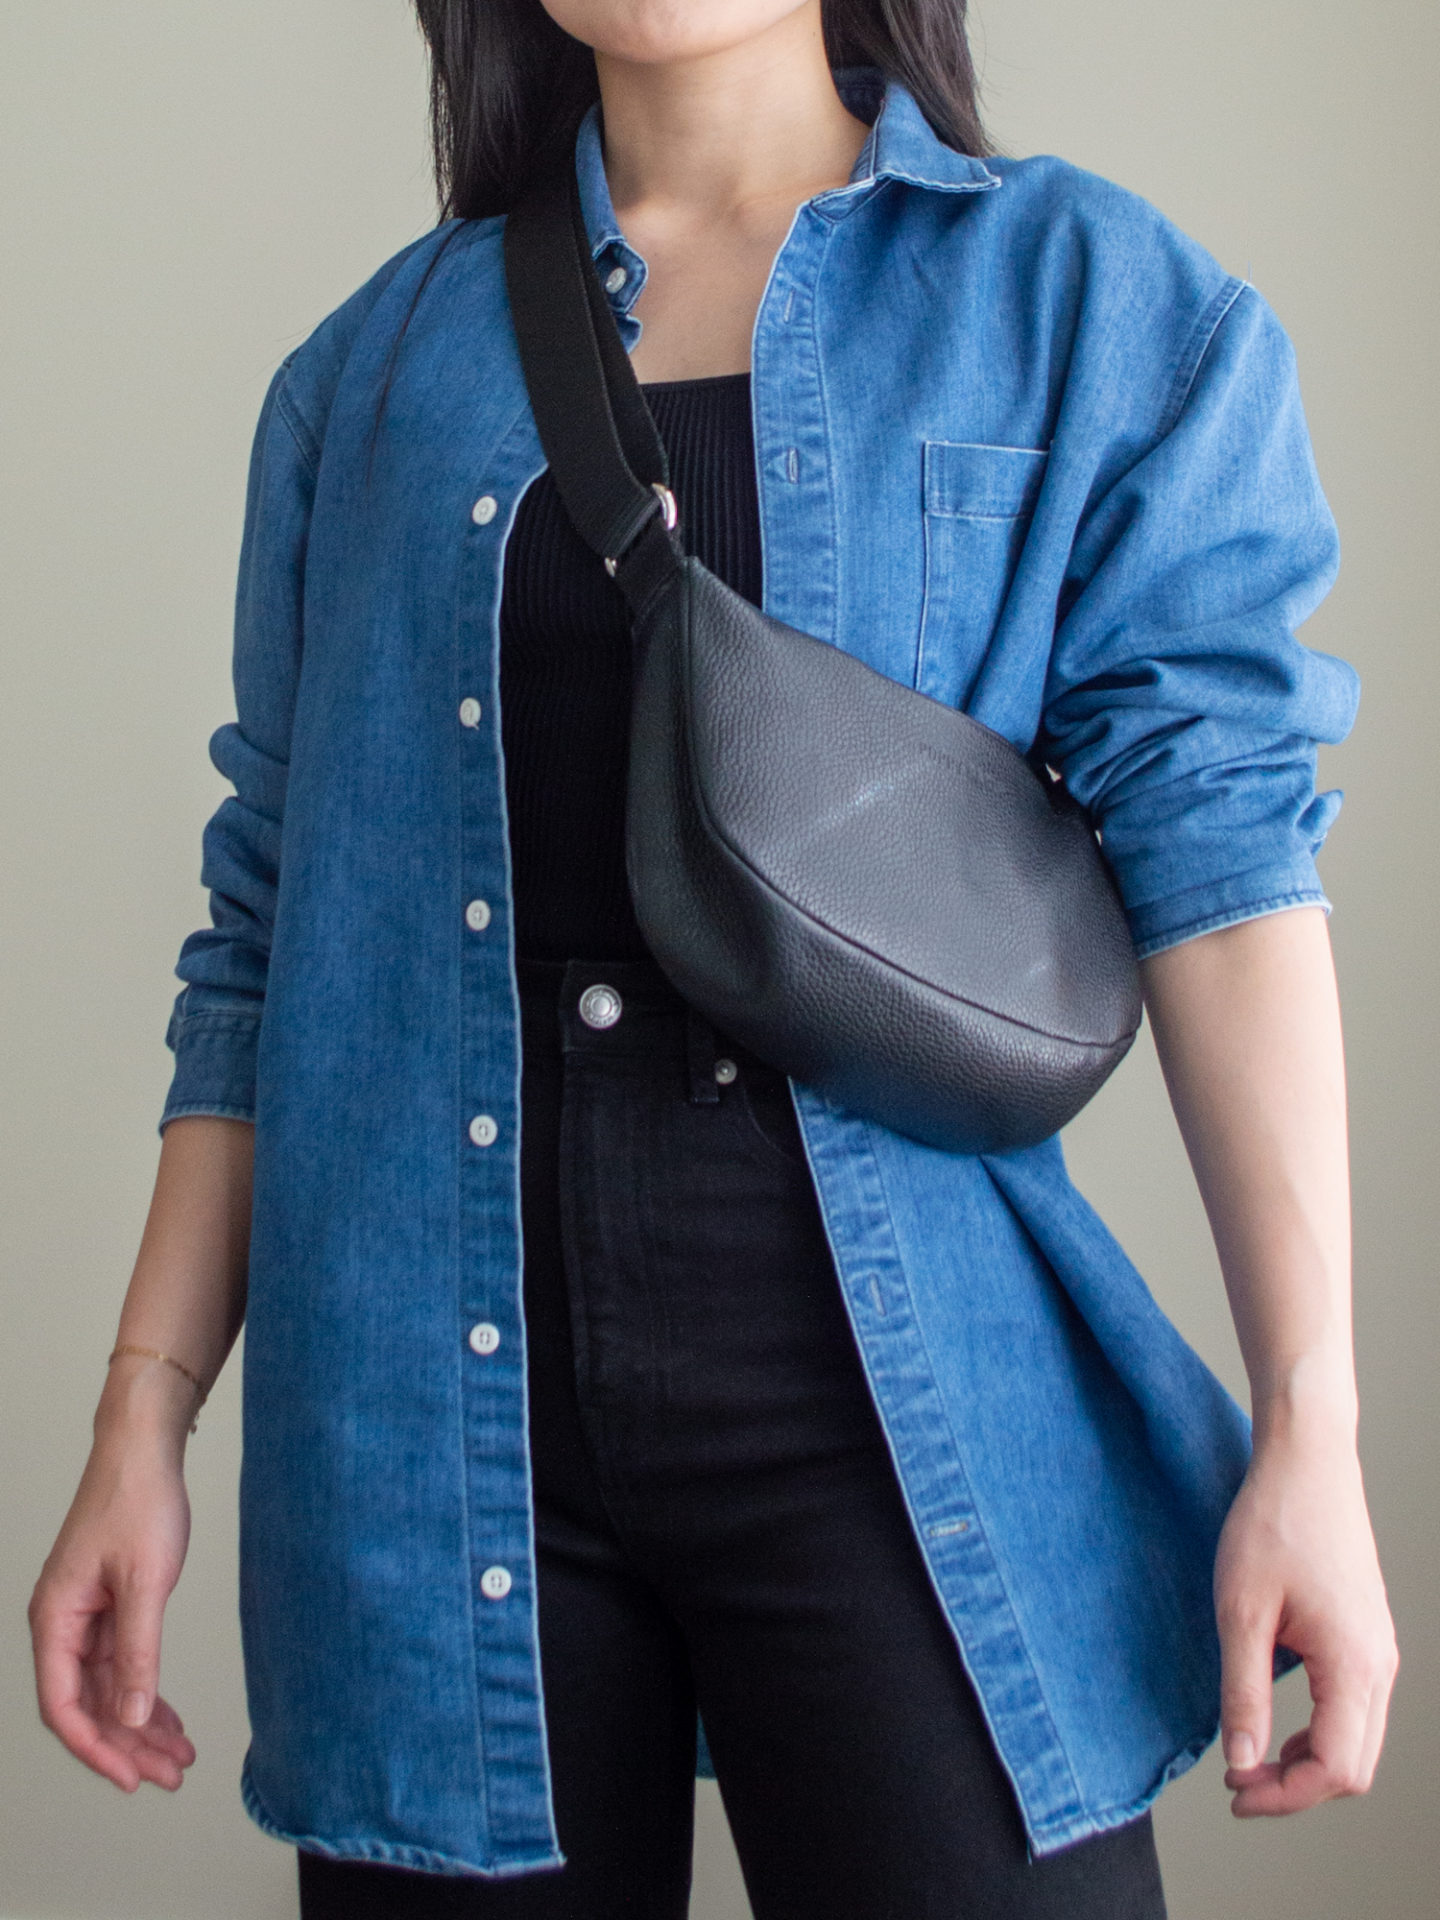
x: 594, y: 425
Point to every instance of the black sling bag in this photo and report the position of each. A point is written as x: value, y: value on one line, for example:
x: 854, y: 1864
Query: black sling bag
x: 874, y: 892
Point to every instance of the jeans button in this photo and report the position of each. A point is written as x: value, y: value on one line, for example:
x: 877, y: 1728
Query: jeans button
x: 600, y: 1006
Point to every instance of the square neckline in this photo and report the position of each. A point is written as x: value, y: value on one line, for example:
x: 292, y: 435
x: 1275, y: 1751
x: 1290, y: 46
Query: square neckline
x: 696, y: 380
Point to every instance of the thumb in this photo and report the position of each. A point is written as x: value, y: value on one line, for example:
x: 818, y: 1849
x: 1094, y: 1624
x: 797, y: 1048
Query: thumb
x: 1247, y: 1653
x: 139, y: 1610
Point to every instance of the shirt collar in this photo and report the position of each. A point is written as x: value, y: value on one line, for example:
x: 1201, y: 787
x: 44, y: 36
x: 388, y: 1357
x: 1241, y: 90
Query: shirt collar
x: 901, y: 145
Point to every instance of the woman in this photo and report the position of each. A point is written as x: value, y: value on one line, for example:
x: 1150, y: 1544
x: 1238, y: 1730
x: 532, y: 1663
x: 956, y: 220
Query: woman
x: 698, y: 1391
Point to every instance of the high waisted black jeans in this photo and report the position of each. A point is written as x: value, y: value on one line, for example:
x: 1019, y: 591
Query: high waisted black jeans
x: 718, y: 1519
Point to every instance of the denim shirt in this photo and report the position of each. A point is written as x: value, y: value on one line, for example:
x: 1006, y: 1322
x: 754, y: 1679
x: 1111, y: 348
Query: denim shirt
x: 1020, y: 444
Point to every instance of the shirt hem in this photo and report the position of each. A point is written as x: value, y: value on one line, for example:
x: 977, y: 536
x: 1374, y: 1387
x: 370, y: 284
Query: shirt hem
x: 1070, y: 1831
x: 1229, y: 917
x: 211, y: 1108
x: 385, y: 1852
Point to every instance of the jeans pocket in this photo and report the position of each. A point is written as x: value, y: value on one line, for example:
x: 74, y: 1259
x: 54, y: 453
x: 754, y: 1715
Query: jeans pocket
x: 770, y: 1110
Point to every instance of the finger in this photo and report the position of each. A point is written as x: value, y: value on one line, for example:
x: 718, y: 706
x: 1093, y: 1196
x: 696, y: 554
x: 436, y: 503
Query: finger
x: 1254, y: 1790
x: 1299, y: 1780
x: 61, y: 1640
x: 56, y: 1641
x: 139, y: 1611
x: 166, y: 1733
x: 79, y: 1733
x: 161, y: 1769
x: 1247, y: 1647
x: 1341, y: 1690
x: 1375, y: 1724
x: 1297, y: 1744
x: 1280, y: 1786
x: 1279, y: 1790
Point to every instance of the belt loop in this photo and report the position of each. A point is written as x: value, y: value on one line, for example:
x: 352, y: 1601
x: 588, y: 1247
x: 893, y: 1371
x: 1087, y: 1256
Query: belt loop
x: 700, y: 1058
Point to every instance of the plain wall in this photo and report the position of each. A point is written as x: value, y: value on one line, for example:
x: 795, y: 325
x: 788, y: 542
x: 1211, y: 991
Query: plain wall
x: 188, y: 188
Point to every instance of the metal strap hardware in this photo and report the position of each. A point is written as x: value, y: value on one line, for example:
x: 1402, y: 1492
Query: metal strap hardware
x: 671, y: 515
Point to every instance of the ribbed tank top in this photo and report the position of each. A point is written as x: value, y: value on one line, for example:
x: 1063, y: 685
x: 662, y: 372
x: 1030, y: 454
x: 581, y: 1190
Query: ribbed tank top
x: 565, y: 672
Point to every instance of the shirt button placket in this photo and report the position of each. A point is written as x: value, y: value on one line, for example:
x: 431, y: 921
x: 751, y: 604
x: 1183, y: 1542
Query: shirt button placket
x: 493, y: 1391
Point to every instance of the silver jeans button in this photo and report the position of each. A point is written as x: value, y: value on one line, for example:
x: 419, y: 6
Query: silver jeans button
x: 600, y: 1006
x: 725, y: 1071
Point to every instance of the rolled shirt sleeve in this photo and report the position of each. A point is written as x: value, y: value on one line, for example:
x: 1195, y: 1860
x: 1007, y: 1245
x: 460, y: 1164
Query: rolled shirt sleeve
x: 1179, y: 706
x: 215, y: 1024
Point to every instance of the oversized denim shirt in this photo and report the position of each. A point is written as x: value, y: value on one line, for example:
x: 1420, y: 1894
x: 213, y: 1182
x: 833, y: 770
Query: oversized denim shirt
x: 1019, y: 444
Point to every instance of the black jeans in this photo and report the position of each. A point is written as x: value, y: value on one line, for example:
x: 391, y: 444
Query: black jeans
x: 718, y: 1519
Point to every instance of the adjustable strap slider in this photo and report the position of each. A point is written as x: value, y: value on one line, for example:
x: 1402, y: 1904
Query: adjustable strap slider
x: 670, y: 513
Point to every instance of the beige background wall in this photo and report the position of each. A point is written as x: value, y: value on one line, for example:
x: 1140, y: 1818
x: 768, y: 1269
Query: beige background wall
x: 188, y: 187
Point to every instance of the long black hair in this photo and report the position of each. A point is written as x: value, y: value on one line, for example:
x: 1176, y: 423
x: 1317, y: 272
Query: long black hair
x: 506, y: 83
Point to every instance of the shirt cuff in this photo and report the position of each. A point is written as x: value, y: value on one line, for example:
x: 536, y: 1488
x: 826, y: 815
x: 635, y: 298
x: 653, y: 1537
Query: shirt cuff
x: 1223, y: 903
x: 214, y: 1064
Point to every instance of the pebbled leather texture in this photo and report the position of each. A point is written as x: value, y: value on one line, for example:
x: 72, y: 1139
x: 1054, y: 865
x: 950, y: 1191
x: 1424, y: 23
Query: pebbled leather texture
x: 868, y: 888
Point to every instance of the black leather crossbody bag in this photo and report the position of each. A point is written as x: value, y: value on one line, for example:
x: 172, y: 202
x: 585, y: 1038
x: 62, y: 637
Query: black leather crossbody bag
x: 874, y: 892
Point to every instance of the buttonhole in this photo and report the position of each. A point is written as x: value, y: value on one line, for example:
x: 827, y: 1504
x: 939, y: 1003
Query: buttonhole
x: 948, y: 1526
x: 876, y: 1295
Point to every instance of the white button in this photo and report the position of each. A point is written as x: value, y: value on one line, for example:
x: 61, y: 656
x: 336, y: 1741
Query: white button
x: 495, y: 1582
x: 615, y: 279
x: 483, y: 511
x: 484, y: 1337
x: 725, y: 1071
x: 483, y: 1130
x: 469, y: 713
x: 600, y: 1006
x: 477, y: 915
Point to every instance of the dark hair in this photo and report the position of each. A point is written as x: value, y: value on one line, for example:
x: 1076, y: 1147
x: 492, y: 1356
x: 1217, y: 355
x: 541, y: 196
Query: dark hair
x: 506, y: 83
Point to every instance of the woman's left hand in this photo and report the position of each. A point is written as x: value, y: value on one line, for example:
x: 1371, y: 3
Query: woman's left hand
x: 1297, y: 1564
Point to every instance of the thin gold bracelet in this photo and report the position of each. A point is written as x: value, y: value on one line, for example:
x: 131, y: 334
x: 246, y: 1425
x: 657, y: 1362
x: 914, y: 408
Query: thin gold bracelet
x: 153, y: 1353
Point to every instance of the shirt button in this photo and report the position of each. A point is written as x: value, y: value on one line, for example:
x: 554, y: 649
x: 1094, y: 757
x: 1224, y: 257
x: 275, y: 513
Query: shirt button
x: 484, y: 509
x: 484, y: 1337
x: 600, y: 1006
x: 483, y: 1130
x: 469, y: 713
x: 615, y: 279
x: 477, y: 915
x: 495, y: 1582
x: 725, y: 1071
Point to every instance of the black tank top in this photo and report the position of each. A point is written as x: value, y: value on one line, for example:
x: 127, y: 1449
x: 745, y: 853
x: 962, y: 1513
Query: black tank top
x: 565, y: 672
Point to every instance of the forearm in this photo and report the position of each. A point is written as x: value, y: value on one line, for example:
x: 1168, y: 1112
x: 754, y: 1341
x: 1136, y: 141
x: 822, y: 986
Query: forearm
x: 1247, y: 1026
x: 187, y: 1293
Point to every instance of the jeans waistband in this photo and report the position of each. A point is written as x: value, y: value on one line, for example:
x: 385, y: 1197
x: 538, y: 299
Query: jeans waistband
x: 631, y: 1007
x: 644, y: 978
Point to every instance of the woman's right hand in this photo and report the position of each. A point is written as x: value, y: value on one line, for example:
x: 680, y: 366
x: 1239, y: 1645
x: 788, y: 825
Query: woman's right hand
x: 96, y: 1612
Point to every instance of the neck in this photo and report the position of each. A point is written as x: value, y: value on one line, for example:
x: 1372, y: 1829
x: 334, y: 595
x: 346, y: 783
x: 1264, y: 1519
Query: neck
x: 721, y: 133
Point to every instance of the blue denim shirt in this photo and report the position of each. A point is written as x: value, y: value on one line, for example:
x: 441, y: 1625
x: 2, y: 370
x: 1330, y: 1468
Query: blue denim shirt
x: 1020, y: 444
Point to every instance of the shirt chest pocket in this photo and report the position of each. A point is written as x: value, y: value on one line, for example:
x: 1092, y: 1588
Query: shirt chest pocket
x: 978, y: 503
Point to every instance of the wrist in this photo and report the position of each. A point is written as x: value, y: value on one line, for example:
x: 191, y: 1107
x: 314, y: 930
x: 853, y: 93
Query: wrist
x: 1311, y: 1401
x: 145, y: 1399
